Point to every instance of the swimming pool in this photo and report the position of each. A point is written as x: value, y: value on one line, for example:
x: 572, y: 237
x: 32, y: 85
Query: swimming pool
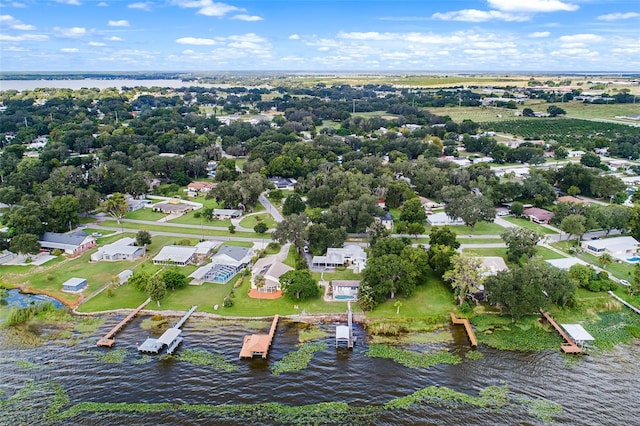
x: 634, y: 259
x: 344, y: 297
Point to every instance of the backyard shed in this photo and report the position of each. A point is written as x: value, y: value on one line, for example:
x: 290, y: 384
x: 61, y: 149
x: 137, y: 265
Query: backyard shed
x: 74, y: 285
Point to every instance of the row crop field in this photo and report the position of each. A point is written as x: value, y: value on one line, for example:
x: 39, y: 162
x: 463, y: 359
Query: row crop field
x: 567, y: 131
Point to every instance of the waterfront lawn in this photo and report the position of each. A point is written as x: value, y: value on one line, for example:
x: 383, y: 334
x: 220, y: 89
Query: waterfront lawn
x: 48, y: 278
x: 433, y: 299
x: 125, y: 297
x: 251, y: 221
x: 346, y: 274
x: 524, y: 223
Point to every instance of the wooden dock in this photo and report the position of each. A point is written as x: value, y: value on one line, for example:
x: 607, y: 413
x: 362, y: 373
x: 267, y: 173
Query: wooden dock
x: 259, y: 344
x: 108, y: 339
x: 624, y: 302
x: 569, y: 346
x: 467, y: 326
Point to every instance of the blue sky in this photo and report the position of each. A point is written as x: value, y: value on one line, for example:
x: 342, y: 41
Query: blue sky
x: 320, y: 35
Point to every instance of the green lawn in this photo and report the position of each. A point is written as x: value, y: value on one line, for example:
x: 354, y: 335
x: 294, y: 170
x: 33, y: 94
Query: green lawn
x: 433, y: 299
x: 547, y: 254
x: 524, y: 223
x: 347, y: 274
x: 190, y: 219
x: 484, y: 252
x: 144, y: 214
x: 168, y: 228
x: 246, y: 307
x: 482, y: 228
x: 104, y: 233
x: 251, y: 221
x: 479, y: 240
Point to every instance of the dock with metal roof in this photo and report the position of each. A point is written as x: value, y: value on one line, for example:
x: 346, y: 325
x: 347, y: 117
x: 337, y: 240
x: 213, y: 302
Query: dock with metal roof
x: 344, y: 333
x: 170, y: 339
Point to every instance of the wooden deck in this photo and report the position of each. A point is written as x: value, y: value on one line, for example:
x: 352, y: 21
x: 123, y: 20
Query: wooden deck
x: 108, y: 339
x: 569, y: 346
x: 467, y: 326
x: 259, y: 344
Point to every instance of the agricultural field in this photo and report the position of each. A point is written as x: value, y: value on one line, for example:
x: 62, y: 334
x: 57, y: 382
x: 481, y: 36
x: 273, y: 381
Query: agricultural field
x: 566, y: 131
x: 476, y: 114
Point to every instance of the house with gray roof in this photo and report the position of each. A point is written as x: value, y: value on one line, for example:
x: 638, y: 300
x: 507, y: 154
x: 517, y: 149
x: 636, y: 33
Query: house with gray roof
x: 225, y: 264
x: 175, y: 255
x: 72, y: 243
x: 123, y: 249
x: 349, y: 255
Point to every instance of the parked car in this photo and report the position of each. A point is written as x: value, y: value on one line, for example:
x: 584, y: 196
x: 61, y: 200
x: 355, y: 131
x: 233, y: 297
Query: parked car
x: 97, y: 234
x: 625, y: 283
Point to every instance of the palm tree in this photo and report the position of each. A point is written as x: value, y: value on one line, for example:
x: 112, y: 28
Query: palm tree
x: 605, y: 260
x: 259, y: 282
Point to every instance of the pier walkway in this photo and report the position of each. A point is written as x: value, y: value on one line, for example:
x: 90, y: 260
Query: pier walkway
x: 259, y: 344
x: 344, y: 333
x: 624, y: 302
x: 107, y: 340
x: 467, y: 326
x: 569, y: 346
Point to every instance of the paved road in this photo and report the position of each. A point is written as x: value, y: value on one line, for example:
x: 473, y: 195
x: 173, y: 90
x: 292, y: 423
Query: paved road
x: 270, y: 208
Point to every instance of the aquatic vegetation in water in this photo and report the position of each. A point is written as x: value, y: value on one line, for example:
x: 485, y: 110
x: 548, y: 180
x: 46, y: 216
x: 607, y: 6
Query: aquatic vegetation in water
x: 22, y: 315
x: 311, y: 333
x: 298, y: 360
x: 89, y: 325
x: 142, y: 360
x: 112, y: 356
x: 26, y: 364
x: 44, y: 403
x: 474, y: 355
x: 413, y: 359
x: 206, y: 359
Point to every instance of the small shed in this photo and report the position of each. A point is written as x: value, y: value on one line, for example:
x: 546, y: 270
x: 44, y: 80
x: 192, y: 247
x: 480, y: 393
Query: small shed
x: 124, y: 276
x: 74, y: 285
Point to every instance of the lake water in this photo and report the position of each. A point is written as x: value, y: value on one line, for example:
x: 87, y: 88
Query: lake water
x: 21, y: 85
x: 599, y: 389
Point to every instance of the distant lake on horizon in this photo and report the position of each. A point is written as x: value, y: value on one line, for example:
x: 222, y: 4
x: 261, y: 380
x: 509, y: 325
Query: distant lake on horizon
x: 21, y: 85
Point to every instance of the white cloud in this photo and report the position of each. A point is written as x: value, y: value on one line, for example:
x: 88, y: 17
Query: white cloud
x: 25, y: 37
x: 69, y: 2
x: 120, y: 23
x: 96, y: 43
x: 146, y: 6
x: 294, y: 37
x: 208, y: 7
x: 369, y: 35
x: 474, y: 15
x: 15, y: 24
x: 532, y: 6
x: 71, y: 32
x: 247, y: 18
x: 618, y: 16
x: 249, y: 37
x: 580, y: 38
x: 69, y: 50
x: 102, y: 4
x: 14, y: 49
x: 115, y: 38
x: 540, y: 34
x: 196, y: 41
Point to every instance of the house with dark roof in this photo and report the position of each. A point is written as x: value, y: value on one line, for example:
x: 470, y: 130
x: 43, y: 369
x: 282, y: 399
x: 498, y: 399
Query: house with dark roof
x: 538, y: 215
x: 283, y: 183
x: 73, y: 243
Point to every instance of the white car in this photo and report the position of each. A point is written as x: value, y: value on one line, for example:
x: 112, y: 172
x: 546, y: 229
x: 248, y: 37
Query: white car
x: 625, y: 283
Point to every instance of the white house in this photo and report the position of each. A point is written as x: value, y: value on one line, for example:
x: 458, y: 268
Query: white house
x: 441, y: 218
x: 175, y: 255
x: 623, y: 248
x: 204, y: 250
x: 223, y: 214
x: 123, y: 249
x: 272, y: 270
x: 351, y: 254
